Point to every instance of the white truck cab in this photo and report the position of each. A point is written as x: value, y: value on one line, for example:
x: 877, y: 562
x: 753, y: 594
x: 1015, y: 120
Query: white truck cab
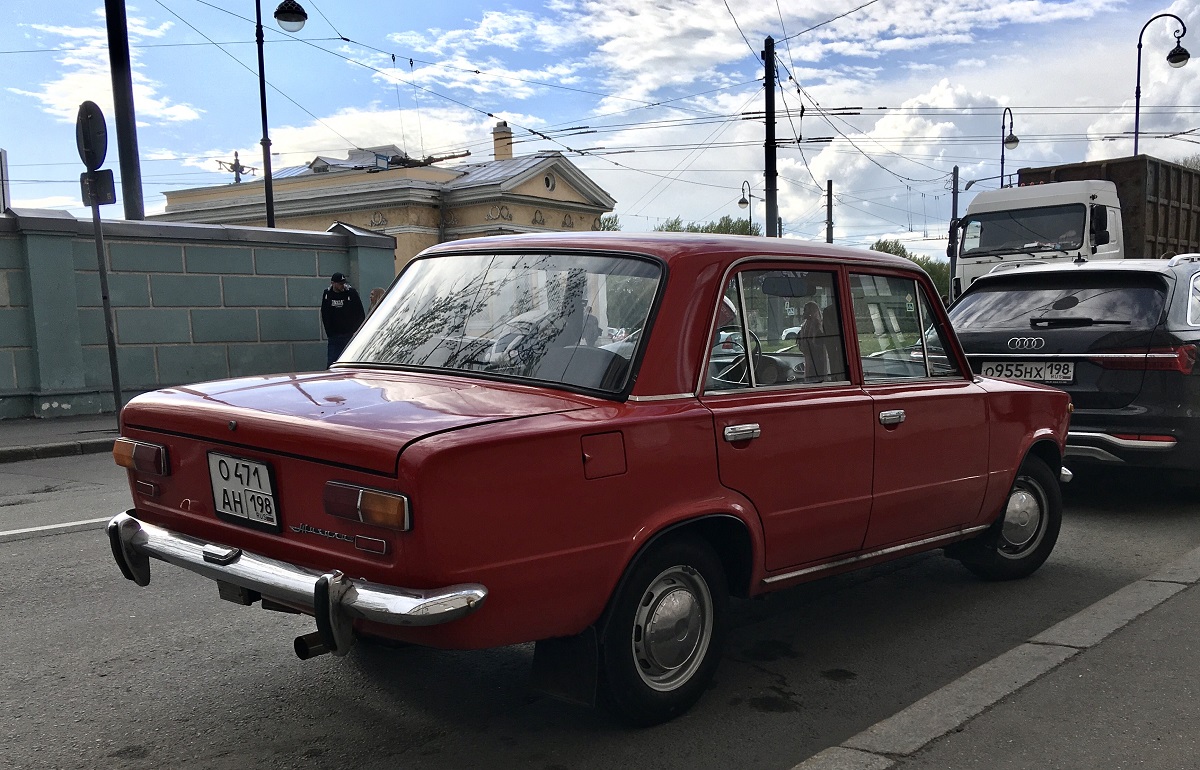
x: 1038, y: 223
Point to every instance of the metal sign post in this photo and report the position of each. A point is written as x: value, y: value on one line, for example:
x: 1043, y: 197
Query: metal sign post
x: 97, y: 188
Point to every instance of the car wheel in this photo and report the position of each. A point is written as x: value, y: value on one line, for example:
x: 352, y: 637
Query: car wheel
x: 1024, y: 535
x: 665, y: 631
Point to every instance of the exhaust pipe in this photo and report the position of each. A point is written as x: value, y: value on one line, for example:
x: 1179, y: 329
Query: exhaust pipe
x: 310, y: 646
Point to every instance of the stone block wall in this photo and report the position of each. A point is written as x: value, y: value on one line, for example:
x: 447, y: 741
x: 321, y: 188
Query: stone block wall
x: 190, y: 303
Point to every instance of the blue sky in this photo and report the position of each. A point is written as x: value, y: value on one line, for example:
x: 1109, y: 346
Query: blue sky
x: 894, y: 93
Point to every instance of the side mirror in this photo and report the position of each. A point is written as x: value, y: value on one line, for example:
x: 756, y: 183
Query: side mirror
x: 1101, y: 238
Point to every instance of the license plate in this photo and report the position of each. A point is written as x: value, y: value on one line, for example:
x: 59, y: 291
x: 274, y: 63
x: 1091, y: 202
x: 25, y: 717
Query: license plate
x: 242, y: 490
x: 1040, y: 371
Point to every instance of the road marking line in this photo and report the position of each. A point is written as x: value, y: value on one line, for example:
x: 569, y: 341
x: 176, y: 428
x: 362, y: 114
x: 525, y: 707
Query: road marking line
x: 50, y: 529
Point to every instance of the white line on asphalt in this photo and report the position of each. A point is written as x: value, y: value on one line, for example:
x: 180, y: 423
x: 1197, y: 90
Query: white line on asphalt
x: 50, y: 529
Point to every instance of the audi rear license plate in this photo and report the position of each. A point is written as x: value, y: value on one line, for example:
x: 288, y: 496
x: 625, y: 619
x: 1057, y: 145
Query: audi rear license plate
x: 1038, y: 371
x: 242, y: 491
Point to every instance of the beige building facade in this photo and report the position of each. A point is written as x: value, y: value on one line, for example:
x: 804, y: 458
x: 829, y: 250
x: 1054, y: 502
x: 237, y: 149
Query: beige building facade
x: 419, y: 204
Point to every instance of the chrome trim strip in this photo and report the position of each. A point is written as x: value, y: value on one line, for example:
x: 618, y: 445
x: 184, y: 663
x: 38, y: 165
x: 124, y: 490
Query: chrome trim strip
x: 663, y: 397
x: 1093, y: 452
x: 133, y: 541
x: 873, y: 554
x: 1124, y: 443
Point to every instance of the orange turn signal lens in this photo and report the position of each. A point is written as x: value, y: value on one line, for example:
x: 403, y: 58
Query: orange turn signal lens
x: 370, y: 506
x: 141, y: 456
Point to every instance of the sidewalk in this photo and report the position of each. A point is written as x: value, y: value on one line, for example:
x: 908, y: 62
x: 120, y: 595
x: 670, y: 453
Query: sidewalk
x: 1113, y: 686
x: 31, y: 438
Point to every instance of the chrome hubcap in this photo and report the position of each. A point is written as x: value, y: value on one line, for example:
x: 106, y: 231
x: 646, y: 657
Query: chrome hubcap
x: 673, y: 628
x: 1022, y: 527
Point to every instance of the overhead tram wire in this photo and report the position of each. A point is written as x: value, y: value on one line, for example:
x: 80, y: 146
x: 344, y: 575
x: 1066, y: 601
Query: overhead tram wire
x: 703, y: 146
x: 830, y: 21
x: 244, y: 66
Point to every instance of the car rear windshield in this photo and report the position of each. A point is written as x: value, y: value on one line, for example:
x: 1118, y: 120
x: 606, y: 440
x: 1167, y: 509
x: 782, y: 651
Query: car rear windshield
x: 535, y: 316
x: 1129, y: 301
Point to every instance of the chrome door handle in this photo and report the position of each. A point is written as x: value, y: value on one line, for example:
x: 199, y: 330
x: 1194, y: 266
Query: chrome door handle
x: 742, y: 432
x: 891, y: 417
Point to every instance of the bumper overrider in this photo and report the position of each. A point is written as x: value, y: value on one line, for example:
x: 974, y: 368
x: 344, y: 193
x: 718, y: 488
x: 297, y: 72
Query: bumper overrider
x: 333, y: 599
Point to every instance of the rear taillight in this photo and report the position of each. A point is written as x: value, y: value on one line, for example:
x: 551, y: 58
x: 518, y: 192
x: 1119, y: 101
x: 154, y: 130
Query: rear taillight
x: 1181, y: 358
x: 1155, y: 437
x: 370, y: 506
x: 141, y: 456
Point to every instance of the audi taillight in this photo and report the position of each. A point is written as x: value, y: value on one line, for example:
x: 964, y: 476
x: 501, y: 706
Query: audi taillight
x: 1180, y: 358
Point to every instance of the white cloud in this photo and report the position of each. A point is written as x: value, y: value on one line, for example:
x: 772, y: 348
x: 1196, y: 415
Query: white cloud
x: 84, y: 75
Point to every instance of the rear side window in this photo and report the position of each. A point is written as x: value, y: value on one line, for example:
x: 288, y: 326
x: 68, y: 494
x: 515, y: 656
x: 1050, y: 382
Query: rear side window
x: 1127, y: 301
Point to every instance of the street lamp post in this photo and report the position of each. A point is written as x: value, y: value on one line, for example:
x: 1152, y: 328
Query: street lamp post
x: 1007, y: 141
x: 744, y: 203
x: 1176, y: 58
x: 291, y: 17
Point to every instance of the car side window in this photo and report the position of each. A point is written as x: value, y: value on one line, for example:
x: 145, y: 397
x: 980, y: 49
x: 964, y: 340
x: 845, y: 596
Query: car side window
x: 887, y: 319
x: 778, y: 327
x: 938, y: 362
x: 1193, y: 311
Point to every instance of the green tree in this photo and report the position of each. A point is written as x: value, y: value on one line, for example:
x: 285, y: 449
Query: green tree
x: 725, y: 224
x: 610, y: 223
x: 938, y: 269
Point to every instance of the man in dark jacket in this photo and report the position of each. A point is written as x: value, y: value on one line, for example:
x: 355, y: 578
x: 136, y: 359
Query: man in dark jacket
x: 341, y: 314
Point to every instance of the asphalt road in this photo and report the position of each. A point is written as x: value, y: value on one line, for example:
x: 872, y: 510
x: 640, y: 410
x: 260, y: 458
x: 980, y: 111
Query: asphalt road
x: 100, y: 672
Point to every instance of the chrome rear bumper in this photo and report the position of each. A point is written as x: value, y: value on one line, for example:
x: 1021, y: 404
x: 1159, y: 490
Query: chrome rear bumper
x: 332, y: 598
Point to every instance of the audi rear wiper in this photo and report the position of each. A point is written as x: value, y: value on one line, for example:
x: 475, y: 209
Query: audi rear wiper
x: 1071, y: 321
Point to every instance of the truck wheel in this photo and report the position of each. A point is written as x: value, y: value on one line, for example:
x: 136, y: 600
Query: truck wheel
x: 1024, y: 535
x: 665, y: 632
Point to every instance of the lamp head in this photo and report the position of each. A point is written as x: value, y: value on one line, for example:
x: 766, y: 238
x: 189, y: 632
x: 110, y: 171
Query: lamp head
x: 1011, y: 141
x: 291, y: 16
x: 743, y: 203
x: 1178, y: 56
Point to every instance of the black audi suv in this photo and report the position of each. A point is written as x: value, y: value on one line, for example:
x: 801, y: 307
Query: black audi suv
x: 1121, y: 336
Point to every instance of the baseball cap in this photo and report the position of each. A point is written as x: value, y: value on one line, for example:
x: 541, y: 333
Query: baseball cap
x: 337, y: 278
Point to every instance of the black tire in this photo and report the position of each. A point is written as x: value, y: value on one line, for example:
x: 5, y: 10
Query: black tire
x: 679, y: 585
x: 1023, y: 536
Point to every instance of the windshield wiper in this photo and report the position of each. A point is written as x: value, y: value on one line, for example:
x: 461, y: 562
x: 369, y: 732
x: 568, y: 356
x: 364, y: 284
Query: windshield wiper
x: 1072, y: 321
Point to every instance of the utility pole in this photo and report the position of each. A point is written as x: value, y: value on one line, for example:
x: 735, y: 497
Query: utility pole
x: 122, y: 84
x: 829, y: 211
x: 952, y: 242
x: 772, y: 175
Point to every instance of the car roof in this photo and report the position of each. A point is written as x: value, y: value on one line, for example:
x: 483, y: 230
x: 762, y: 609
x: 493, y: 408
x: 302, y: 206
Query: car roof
x: 1189, y: 262
x: 673, y: 247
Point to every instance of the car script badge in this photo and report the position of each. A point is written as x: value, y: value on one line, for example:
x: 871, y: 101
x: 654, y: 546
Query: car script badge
x: 1026, y: 343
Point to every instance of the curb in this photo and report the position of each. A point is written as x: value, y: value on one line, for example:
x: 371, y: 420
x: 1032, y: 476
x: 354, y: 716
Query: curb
x: 885, y: 743
x: 59, y: 449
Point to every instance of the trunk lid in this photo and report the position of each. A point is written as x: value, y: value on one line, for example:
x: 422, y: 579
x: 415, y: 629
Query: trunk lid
x: 357, y: 419
x: 1098, y: 326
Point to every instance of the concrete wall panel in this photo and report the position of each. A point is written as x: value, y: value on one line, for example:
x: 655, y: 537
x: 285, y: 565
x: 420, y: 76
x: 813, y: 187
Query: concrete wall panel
x: 192, y: 363
x: 225, y: 325
x: 145, y: 257
x: 246, y: 360
x: 218, y: 259
x: 186, y: 290
x: 254, y: 291
x: 286, y: 325
x: 284, y: 262
x: 136, y: 327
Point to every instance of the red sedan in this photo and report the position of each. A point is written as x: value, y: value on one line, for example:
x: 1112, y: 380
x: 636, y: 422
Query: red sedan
x: 471, y: 473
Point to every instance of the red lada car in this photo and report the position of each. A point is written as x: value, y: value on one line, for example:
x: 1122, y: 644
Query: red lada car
x: 471, y: 473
